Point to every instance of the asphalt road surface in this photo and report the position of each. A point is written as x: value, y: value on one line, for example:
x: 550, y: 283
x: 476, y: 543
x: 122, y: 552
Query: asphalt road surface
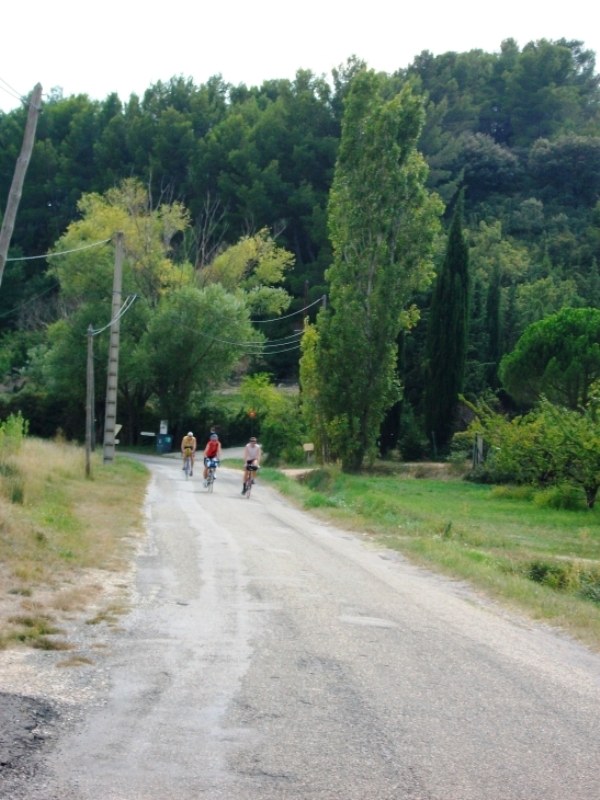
x: 270, y: 655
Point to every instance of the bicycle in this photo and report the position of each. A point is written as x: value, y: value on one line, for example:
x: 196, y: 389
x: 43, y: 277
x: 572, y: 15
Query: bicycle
x: 250, y: 482
x: 212, y: 464
x: 187, y: 466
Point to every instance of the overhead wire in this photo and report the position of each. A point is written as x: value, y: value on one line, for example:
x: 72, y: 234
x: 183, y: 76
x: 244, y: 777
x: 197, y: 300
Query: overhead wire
x: 259, y: 345
x: 252, y: 348
x: 10, y: 91
x: 130, y: 300
x: 287, y: 316
x: 12, y: 88
x: 60, y: 252
x: 31, y: 300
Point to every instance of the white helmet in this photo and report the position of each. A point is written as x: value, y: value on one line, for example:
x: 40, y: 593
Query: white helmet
x: 190, y: 433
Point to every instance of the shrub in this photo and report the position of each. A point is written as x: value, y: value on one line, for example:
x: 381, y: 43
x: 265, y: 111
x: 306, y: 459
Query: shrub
x: 514, y: 492
x: 413, y: 446
x: 563, y: 496
x: 282, y: 428
x: 12, y: 433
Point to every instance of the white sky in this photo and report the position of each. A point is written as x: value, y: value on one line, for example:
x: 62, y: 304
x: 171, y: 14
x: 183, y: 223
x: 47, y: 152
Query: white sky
x: 124, y: 46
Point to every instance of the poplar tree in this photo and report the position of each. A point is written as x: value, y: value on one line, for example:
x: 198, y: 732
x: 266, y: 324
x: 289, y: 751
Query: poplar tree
x: 382, y: 222
x: 447, y: 335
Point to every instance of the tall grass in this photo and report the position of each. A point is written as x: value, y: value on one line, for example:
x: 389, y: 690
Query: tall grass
x: 55, y: 525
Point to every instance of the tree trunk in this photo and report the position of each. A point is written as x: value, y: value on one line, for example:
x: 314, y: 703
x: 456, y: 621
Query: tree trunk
x: 590, y: 495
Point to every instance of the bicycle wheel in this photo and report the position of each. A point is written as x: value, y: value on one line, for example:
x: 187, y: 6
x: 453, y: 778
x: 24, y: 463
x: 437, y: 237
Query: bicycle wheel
x: 187, y: 466
x: 210, y: 480
x: 249, y: 487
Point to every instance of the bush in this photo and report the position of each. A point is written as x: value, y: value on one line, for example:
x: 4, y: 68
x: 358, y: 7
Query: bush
x: 12, y: 433
x: 550, y: 446
x: 563, y: 496
x: 488, y: 474
x: 413, y: 446
x: 514, y: 492
x: 282, y: 428
x: 563, y: 576
x: 574, y: 577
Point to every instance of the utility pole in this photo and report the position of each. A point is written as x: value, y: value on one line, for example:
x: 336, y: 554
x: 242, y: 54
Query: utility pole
x: 93, y: 417
x: 14, y: 196
x: 89, y: 421
x: 110, y: 416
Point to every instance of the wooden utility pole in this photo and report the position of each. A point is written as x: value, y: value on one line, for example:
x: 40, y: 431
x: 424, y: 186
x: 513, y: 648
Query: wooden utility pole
x: 89, y: 402
x: 14, y: 196
x: 93, y: 417
x: 110, y: 416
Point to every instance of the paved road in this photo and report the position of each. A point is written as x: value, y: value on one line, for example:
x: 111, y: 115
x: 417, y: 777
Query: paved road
x: 271, y: 656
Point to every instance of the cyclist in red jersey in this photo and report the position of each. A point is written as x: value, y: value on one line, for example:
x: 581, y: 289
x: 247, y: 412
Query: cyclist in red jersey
x: 212, y: 452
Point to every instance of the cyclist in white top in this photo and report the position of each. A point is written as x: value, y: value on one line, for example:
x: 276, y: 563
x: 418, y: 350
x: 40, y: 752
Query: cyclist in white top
x: 252, y: 454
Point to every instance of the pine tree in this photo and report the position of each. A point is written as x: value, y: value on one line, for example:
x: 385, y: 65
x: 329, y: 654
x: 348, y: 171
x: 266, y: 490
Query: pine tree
x: 447, y: 335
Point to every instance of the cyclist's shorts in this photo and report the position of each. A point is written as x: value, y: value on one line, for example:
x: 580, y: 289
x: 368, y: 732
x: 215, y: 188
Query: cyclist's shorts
x: 251, y: 467
x: 211, y: 463
x: 187, y: 451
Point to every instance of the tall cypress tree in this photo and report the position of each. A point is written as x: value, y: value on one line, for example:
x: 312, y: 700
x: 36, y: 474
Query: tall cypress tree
x: 447, y: 335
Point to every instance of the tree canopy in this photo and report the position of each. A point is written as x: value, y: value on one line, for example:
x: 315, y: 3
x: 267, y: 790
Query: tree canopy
x: 557, y: 357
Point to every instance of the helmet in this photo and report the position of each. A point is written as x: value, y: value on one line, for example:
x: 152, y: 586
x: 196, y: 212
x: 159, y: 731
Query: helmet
x: 190, y: 433
x: 214, y: 436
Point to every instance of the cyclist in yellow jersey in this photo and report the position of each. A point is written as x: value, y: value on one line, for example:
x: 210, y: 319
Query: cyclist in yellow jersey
x: 188, y: 448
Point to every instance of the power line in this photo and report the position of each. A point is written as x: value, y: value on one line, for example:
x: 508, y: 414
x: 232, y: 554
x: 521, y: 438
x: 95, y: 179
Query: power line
x: 61, y: 252
x: 31, y: 299
x: 276, y: 352
x: 12, y: 93
x: 12, y: 88
x: 287, y: 316
x: 122, y: 311
x: 244, y: 344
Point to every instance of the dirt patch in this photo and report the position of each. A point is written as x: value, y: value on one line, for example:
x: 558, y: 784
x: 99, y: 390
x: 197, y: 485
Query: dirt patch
x: 297, y: 473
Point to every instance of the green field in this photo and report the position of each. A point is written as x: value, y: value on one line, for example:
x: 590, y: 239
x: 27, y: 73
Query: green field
x: 507, y: 542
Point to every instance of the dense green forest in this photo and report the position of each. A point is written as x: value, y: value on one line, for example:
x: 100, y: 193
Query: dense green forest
x: 518, y: 129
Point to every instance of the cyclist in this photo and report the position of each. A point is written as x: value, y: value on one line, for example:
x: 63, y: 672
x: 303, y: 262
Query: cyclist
x: 212, y: 452
x: 188, y: 449
x: 252, y: 454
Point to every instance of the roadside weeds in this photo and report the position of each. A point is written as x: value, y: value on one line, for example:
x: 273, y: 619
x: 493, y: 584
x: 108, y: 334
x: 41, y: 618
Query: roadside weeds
x: 63, y: 539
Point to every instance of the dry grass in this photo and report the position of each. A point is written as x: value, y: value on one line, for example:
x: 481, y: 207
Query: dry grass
x: 60, y: 534
x: 75, y: 661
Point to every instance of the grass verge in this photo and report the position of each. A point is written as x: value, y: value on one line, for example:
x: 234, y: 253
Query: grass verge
x: 61, y: 536
x: 512, y: 544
